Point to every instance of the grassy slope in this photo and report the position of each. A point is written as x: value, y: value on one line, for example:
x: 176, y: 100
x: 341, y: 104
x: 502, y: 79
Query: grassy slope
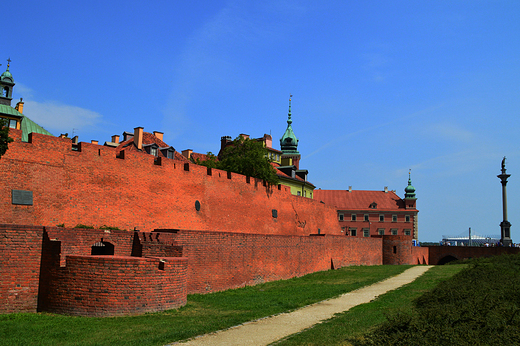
x: 362, y: 318
x: 202, y: 314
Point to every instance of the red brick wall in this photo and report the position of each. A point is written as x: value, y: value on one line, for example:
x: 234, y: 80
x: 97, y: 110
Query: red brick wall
x: 20, y: 250
x: 223, y: 260
x: 398, y: 249
x: 94, y: 187
x: 421, y: 255
x: 116, y: 285
x: 79, y: 241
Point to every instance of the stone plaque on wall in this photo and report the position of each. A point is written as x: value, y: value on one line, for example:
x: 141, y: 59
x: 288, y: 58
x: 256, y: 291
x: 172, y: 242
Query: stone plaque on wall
x: 22, y: 197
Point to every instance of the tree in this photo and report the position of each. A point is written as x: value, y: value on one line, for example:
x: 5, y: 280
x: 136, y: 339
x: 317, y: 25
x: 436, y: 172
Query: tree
x: 4, y: 136
x: 244, y: 156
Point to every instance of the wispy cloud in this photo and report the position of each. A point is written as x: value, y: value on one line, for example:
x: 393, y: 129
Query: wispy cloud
x: 448, y: 131
x: 343, y: 138
x: 57, y: 117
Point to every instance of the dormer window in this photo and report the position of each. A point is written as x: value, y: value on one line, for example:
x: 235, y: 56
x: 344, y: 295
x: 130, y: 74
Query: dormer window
x: 373, y: 205
x: 151, y: 149
x: 168, y: 152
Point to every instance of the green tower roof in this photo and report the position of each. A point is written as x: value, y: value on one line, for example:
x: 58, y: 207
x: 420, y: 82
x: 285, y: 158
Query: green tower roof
x: 409, y: 190
x: 27, y: 125
x: 7, y: 76
x: 289, y: 142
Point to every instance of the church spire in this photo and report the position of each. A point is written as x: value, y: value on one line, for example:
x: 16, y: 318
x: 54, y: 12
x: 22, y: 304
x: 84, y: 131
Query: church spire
x: 409, y: 190
x: 289, y: 142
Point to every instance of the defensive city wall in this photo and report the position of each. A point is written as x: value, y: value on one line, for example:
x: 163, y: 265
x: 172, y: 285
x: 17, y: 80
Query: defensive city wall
x: 183, y: 229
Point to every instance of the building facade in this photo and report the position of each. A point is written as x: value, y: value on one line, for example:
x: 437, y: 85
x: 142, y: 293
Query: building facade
x: 363, y: 213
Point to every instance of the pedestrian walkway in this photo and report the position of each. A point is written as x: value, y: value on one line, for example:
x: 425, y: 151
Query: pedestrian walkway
x: 270, y: 329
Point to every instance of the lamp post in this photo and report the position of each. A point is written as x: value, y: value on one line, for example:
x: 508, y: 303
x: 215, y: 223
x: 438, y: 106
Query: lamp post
x: 505, y: 226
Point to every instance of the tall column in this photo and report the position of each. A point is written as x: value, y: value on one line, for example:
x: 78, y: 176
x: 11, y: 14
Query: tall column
x: 505, y: 226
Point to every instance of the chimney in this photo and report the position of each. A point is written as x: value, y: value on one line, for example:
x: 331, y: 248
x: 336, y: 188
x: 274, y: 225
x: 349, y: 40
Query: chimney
x: 19, y: 106
x: 158, y: 134
x: 94, y: 141
x: 350, y: 189
x: 268, y: 141
x: 187, y: 153
x: 115, y: 139
x: 138, y: 137
x: 75, y: 140
x: 386, y: 189
x: 224, y: 140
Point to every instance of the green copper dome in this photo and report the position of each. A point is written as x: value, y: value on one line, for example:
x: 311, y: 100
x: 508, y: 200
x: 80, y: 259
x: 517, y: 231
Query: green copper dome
x: 7, y: 76
x: 409, y: 190
x: 289, y: 142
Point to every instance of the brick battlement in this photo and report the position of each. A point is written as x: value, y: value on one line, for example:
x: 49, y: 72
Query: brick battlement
x: 93, y: 186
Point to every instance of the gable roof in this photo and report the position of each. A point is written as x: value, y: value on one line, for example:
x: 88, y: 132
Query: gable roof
x: 148, y: 139
x: 361, y: 200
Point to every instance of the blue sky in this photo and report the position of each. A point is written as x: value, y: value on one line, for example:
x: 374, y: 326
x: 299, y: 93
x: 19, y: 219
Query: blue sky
x: 379, y: 87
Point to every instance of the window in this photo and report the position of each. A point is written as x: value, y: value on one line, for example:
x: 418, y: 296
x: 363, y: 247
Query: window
x: 407, y: 218
x: 353, y: 217
x: 407, y: 232
x: 381, y: 218
x: 366, y: 232
x: 394, y: 218
x: 304, y: 193
x: 366, y: 217
x: 340, y: 217
x: 12, y: 123
x: 153, y: 151
x: 353, y: 231
x: 381, y: 231
x: 394, y: 231
x: 298, y: 193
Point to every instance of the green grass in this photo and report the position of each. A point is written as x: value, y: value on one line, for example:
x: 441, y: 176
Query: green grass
x: 362, y: 318
x: 202, y: 314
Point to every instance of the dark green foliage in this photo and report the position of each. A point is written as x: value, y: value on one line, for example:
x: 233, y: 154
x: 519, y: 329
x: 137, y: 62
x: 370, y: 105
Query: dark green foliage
x: 60, y: 225
x: 211, y: 162
x: 479, y: 306
x: 79, y: 225
x: 4, y: 136
x: 244, y: 156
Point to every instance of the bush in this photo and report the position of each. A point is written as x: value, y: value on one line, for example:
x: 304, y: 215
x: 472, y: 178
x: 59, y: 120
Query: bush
x: 79, y: 225
x: 478, y: 306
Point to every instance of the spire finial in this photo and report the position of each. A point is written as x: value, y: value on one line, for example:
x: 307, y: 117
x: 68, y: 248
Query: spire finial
x: 289, y: 121
x: 8, y: 63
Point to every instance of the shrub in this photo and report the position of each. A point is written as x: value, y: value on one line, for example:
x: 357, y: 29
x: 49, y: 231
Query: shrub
x: 478, y: 306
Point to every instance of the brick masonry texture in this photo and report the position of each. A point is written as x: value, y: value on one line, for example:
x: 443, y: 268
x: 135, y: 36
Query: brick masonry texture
x: 92, y: 186
x: 20, y: 253
x: 115, y: 285
x: 184, y: 229
x: 223, y: 260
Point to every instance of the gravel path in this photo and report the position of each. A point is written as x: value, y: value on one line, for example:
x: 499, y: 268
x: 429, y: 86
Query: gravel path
x: 270, y: 329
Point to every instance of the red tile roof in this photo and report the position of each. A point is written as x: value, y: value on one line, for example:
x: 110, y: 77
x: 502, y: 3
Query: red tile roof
x: 148, y: 138
x: 360, y: 199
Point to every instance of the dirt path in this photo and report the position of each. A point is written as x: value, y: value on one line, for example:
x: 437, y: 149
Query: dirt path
x: 270, y: 329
